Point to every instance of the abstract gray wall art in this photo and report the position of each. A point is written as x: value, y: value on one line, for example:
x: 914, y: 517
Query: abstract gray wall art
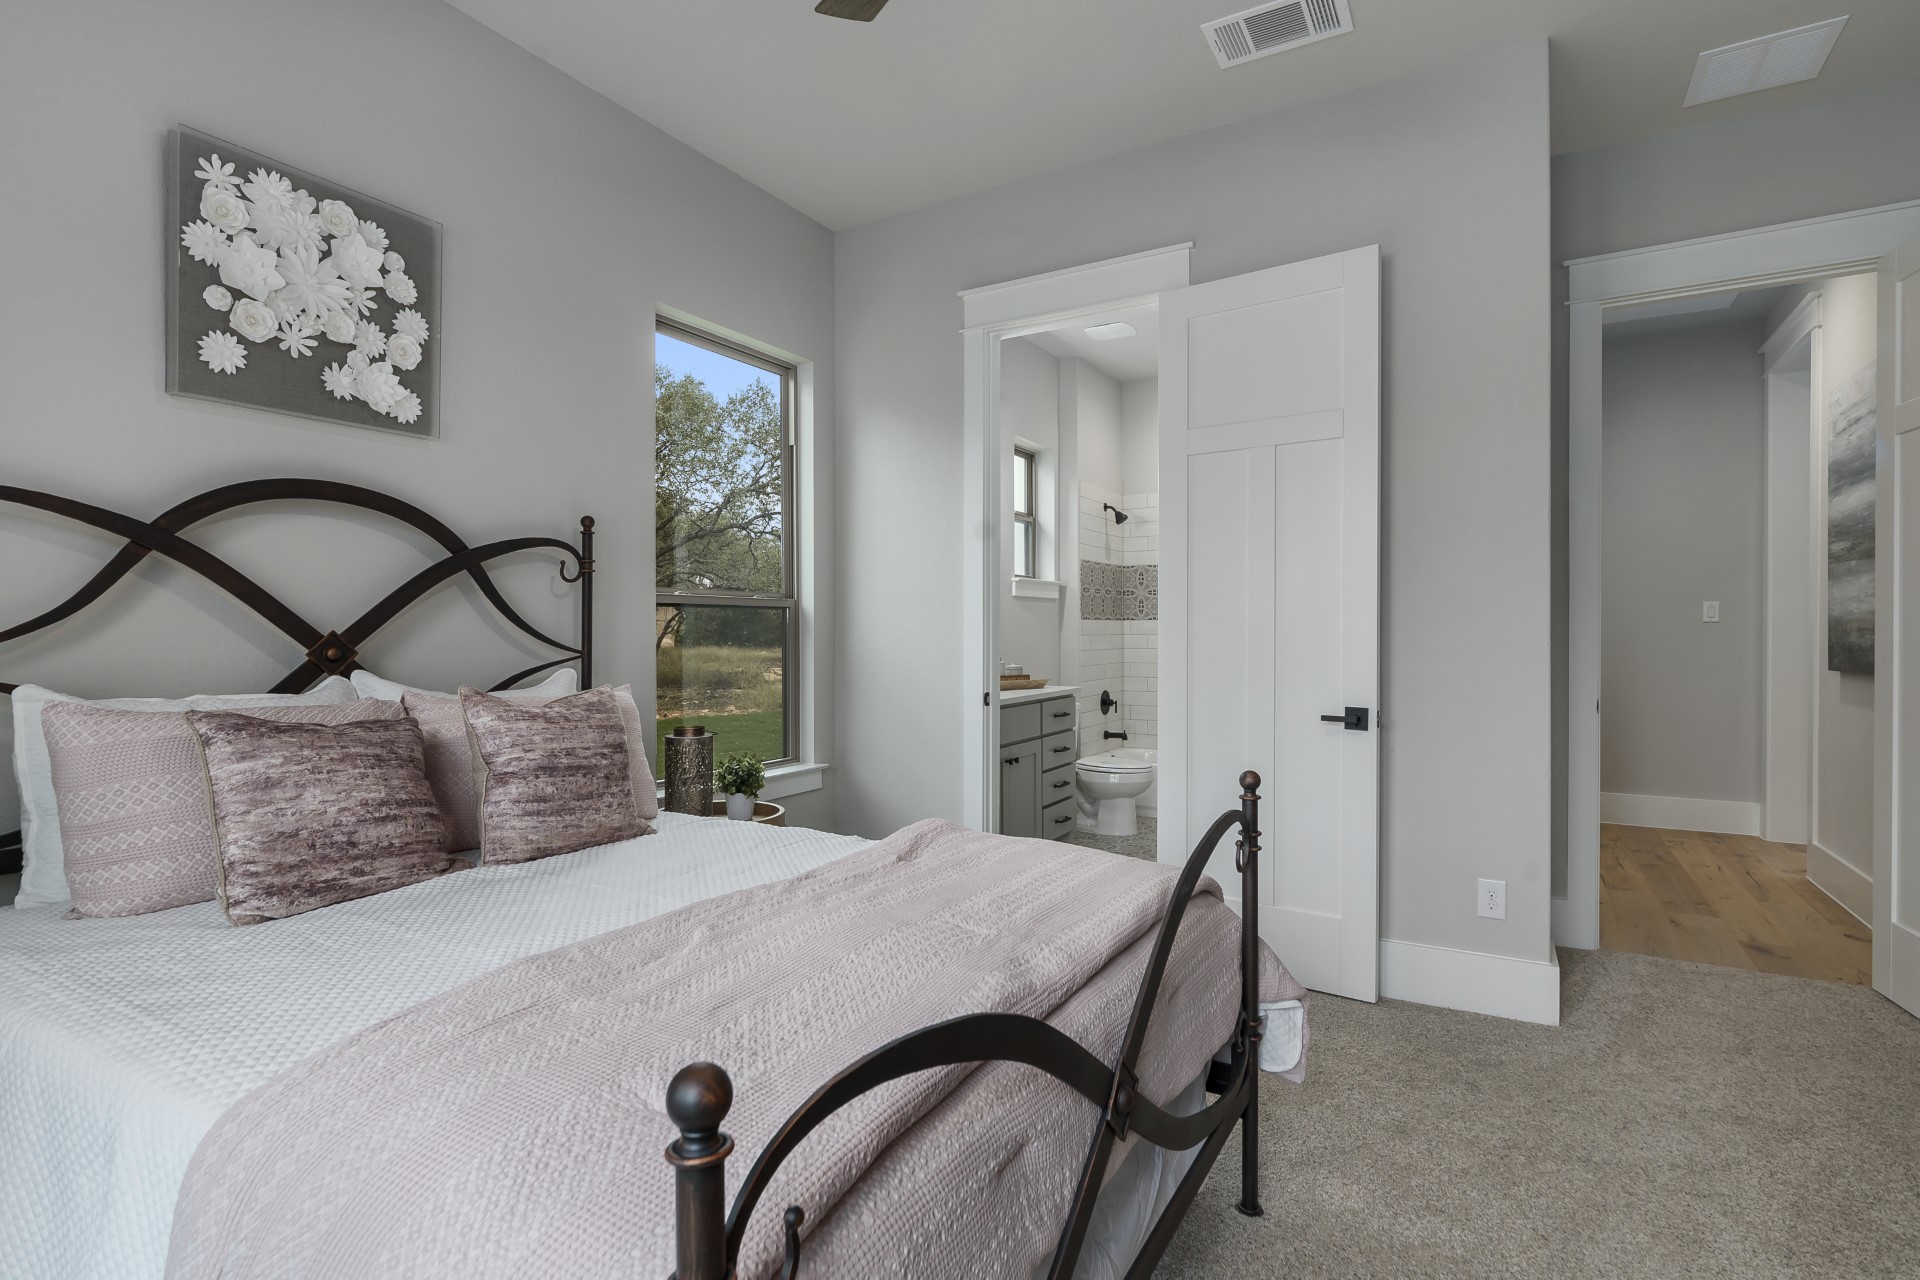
x: 1851, y: 421
x: 293, y: 294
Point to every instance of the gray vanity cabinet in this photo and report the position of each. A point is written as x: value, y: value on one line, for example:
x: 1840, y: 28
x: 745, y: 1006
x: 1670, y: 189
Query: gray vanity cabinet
x: 1036, y: 768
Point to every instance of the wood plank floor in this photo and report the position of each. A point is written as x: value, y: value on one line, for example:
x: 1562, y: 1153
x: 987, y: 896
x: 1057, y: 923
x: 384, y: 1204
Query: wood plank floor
x: 1730, y: 900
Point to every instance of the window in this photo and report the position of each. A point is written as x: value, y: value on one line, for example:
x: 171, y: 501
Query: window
x: 725, y: 620
x: 1025, y: 532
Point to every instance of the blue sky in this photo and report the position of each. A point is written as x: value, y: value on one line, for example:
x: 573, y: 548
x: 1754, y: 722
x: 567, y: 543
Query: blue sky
x: 722, y: 374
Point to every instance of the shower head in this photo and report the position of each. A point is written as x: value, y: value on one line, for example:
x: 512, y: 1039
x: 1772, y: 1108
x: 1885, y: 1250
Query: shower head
x: 1119, y: 516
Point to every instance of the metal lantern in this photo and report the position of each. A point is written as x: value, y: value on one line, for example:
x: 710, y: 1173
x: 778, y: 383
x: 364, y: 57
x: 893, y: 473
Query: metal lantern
x: 689, y: 769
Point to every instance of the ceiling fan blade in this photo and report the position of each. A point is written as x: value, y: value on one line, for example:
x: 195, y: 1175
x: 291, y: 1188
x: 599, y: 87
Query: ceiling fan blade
x: 854, y: 10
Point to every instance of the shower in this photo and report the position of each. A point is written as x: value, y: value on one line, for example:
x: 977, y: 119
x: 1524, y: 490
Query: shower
x: 1119, y: 516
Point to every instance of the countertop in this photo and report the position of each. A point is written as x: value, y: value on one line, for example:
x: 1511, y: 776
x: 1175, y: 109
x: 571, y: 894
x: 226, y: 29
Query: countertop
x: 1014, y: 697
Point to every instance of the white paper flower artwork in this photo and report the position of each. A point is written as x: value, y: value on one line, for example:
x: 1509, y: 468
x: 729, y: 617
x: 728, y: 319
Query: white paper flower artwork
x: 298, y: 296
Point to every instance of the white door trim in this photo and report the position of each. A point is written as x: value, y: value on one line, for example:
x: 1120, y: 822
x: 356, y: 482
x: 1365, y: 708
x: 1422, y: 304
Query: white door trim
x: 1033, y: 304
x: 1811, y: 249
x: 1794, y: 527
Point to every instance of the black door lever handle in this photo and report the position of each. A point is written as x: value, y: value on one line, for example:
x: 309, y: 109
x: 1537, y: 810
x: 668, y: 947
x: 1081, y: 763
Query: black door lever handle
x: 1355, y: 718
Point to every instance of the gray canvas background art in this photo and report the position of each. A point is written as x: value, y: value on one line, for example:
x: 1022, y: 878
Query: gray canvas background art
x: 273, y: 380
x: 1851, y: 418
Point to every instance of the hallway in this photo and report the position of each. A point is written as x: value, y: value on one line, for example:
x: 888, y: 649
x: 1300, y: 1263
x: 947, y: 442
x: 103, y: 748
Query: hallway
x: 1728, y: 900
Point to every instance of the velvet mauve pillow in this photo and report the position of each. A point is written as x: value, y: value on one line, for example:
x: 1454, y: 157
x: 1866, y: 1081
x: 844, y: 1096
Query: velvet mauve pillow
x: 309, y: 815
x: 131, y: 787
x: 555, y: 777
x: 454, y: 773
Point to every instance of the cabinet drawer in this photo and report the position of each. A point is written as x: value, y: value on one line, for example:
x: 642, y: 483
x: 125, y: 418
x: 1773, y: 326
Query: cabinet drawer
x: 1019, y: 723
x: 1056, y: 715
x: 1057, y: 820
x: 1057, y: 784
x: 1057, y: 749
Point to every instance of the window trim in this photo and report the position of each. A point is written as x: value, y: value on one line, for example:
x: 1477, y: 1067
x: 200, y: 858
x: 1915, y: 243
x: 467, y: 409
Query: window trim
x: 789, y: 599
x: 1024, y: 521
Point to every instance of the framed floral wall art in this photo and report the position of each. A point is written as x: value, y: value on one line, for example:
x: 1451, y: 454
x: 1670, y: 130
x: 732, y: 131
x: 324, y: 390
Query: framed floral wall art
x: 289, y: 293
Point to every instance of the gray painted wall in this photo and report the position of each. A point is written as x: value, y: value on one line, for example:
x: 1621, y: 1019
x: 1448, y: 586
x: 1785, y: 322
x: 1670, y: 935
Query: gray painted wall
x: 1448, y: 172
x: 568, y: 221
x: 1683, y: 510
x: 1140, y: 435
x: 1852, y: 151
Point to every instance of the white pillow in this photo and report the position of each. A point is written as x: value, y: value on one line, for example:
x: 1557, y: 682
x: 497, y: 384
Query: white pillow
x: 43, y: 873
x: 558, y: 685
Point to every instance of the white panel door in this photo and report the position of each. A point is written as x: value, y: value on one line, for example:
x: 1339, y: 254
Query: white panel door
x: 1269, y: 595
x: 1896, y: 899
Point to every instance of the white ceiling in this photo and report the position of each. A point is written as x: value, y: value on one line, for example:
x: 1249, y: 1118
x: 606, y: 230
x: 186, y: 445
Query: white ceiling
x: 851, y: 121
x: 1748, y: 307
x: 1122, y: 359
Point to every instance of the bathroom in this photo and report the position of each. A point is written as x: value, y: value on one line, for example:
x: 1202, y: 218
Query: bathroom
x: 1080, y: 447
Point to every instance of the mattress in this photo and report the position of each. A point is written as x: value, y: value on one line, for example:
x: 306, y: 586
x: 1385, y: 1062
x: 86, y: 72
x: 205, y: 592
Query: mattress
x: 123, y: 1040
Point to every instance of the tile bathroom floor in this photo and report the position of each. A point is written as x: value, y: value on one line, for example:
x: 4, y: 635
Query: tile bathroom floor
x: 1139, y: 845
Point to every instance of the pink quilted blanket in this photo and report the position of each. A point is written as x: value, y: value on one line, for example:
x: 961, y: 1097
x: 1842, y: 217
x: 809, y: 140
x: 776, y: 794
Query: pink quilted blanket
x: 515, y: 1126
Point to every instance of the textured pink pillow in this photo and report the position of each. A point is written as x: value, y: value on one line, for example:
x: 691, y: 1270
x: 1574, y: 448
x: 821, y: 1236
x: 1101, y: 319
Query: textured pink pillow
x: 556, y: 776
x: 132, y: 793
x: 454, y: 775
x: 314, y: 814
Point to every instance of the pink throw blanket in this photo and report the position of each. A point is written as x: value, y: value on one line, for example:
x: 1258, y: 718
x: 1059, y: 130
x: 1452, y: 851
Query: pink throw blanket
x: 515, y: 1126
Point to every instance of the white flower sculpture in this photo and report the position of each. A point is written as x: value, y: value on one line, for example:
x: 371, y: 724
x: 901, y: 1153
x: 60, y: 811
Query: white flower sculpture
x: 294, y: 269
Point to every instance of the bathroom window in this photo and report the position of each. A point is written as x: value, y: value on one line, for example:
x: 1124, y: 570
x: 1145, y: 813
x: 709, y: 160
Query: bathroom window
x: 725, y: 619
x: 1026, y: 538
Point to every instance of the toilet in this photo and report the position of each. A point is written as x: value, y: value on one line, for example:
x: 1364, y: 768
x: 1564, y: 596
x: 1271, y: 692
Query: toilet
x: 1109, y: 785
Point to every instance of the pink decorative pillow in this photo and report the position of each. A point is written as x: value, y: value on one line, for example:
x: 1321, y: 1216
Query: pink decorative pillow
x: 131, y: 788
x: 454, y: 774
x: 309, y: 815
x: 556, y: 777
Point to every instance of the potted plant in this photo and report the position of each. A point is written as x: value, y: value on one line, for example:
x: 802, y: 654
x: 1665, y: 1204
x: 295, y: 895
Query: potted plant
x: 740, y: 776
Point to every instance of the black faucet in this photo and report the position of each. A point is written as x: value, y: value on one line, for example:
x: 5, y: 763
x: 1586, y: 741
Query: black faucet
x: 1122, y: 735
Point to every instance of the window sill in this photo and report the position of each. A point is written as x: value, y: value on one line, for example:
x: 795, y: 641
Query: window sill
x: 783, y: 780
x: 1036, y: 588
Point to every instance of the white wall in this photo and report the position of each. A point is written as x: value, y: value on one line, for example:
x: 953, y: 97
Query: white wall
x: 1448, y: 172
x: 1030, y: 412
x: 1140, y: 435
x: 1682, y: 522
x: 568, y: 221
x: 1098, y: 426
x: 1843, y: 775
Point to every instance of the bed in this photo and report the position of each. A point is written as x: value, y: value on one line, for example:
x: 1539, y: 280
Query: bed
x: 121, y: 1050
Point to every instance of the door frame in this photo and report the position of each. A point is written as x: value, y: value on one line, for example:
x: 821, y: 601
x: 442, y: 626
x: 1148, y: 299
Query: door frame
x: 1015, y: 308
x: 1790, y: 702
x: 1840, y: 244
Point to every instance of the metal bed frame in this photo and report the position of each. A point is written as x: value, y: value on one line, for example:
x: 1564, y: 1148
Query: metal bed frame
x: 708, y: 1235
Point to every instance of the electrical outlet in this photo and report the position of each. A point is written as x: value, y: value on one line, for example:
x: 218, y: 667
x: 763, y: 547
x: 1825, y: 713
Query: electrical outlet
x: 1709, y: 611
x: 1493, y: 899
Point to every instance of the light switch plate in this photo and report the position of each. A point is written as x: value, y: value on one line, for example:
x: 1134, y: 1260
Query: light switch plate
x: 1709, y: 611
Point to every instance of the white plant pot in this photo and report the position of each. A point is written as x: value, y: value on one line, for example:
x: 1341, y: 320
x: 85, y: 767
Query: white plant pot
x: 740, y: 807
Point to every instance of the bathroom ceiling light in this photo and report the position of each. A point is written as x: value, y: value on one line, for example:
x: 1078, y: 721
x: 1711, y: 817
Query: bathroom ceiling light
x: 1108, y: 332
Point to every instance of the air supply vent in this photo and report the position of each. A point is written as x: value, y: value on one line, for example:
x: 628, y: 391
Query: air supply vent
x: 1274, y: 28
x: 1767, y: 63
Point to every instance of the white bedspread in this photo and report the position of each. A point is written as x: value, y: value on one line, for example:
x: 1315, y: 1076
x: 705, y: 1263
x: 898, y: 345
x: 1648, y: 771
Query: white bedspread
x: 122, y: 1040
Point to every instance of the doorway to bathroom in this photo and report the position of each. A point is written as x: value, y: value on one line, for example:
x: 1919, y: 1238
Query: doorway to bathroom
x: 1077, y: 636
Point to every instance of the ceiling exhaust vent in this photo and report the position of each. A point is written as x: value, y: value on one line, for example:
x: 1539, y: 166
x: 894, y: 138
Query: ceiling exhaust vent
x: 1767, y: 63
x: 1274, y: 28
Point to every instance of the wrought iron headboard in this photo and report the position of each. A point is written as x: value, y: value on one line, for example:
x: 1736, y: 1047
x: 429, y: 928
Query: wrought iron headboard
x: 331, y: 652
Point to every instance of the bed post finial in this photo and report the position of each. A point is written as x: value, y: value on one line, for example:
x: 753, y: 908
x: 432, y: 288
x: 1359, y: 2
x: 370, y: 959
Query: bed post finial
x: 697, y: 1102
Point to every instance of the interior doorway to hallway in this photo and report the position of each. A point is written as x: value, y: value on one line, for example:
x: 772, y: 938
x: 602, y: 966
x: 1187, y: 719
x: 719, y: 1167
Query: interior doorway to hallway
x: 1736, y: 724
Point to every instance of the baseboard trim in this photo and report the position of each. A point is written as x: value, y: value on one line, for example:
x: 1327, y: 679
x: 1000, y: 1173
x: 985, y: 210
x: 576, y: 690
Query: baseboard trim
x: 1840, y: 880
x: 1502, y: 986
x: 1680, y: 813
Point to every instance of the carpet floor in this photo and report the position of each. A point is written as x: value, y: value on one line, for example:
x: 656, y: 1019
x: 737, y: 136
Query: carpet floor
x: 1684, y: 1120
